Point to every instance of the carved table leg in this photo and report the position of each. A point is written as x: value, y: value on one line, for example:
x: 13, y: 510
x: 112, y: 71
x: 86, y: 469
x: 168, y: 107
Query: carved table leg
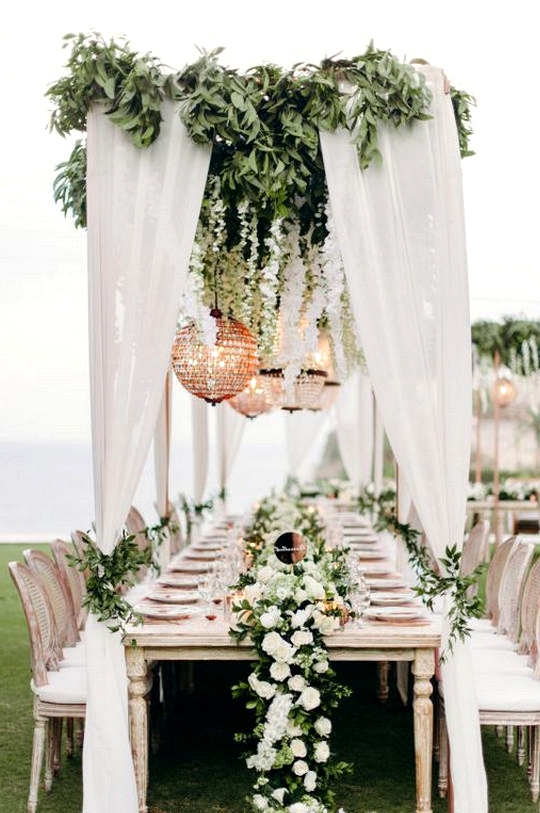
x: 138, y: 687
x: 423, y: 668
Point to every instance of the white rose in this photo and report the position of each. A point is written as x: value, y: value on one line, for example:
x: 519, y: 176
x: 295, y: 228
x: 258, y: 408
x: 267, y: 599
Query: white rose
x: 310, y: 698
x: 293, y: 730
x: 279, y: 671
x: 322, y: 751
x: 265, y: 573
x: 300, y: 768
x: 320, y: 667
x: 261, y: 687
x: 270, y: 642
x: 326, y: 625
x: 310, y: 781
x: 300, y: 617
x: 300, y: 595
x: 301, y: 637
x: 271, y: 617
x: 278, y: 794
x: 314, y: 589
x: 298, y: 807
x: 298, y: 747
x: 252, y: 592
x: 323, y: 726
x: 260, y: 802
x: 297, y: 683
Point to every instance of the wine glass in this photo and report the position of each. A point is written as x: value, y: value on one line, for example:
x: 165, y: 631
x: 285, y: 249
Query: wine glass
x: 206, y: 589
x: 360, y: 598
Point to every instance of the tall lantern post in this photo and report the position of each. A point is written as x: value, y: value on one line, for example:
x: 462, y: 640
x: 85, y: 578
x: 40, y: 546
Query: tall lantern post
x: 503, y: 393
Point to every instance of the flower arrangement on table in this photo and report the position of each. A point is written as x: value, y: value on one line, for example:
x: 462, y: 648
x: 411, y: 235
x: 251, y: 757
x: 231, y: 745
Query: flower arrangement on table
x: 287, y: 610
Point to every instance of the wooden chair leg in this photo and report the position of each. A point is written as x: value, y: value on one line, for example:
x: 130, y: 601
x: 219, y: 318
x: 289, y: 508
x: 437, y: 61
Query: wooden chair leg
x: 521, y: 737
x: 38, y: 747
x: 57, y: 752
x: 70, y: 737
x: 534, y: 747
x: 51, y: 742
x: 80, y: 733
x: 509, y: 738
x: 443, y: 753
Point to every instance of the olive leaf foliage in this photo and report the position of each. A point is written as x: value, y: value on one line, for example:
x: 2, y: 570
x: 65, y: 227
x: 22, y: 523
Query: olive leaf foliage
x: 263, y: 124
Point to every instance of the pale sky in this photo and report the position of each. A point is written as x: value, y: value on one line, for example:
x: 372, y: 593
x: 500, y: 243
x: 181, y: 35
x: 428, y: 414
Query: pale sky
x: 43, y: 343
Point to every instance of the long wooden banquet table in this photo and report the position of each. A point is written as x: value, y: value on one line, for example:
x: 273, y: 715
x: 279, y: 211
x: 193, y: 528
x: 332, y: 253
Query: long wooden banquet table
x: 194, y: 637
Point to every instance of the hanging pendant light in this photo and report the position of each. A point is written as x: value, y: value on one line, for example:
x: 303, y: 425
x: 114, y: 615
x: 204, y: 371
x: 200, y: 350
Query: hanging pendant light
x: 304, y: 393
x: 252, y: 401
x: 215, y: 372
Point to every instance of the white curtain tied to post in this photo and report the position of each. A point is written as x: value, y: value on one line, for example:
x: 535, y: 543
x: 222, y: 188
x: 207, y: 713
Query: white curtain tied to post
x: 401, y: 231
x: 354, y: 427
x: 143, y: 206
x: 162, y: 457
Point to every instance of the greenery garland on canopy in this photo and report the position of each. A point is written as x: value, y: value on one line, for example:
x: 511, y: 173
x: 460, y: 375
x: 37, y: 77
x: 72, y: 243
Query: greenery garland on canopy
x: 516, y: 341
x: 265, y: 237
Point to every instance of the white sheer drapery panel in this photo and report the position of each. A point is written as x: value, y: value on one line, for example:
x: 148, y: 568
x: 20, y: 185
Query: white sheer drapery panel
x: 231, y: 426
x: 199, y: 428
x: 378, y: 451
x: 303, y: 431
x: 354, y: 428
x: 162, y: 457
x: 401, y: 232
x: 143, y: 206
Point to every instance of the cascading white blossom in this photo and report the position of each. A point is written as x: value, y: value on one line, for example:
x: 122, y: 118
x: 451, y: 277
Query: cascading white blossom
x: 269, y: 287
x: 334, y: 288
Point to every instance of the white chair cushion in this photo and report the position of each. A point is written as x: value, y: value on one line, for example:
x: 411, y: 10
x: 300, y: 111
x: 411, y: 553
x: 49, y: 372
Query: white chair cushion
x: 507, y: 693
x: 487, y: 640
x: 64, y: 686
x: 73, y: 656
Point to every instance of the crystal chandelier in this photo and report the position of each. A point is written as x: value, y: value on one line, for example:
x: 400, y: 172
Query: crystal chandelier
x: 252, y: 401
x: 218, y: 371
x: 304, y: 392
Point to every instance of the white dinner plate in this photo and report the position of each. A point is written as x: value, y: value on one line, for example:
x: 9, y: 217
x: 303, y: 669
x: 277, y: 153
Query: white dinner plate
x: 369, y: 554
x: 203, y: 546
x: 177, y: 581
x: 394, y: 614
x: 199, y: 555
x: 363, y: 540
x: 376, y: 569
x: 171, y: 595
x: 167, y: 611
x: 386, y: 584
x: 188, y: 566
x: 391, y: 599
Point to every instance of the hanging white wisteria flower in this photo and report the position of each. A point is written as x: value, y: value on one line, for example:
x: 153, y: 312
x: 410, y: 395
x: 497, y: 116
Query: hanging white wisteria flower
x: 287, y: 611
x: 269, y: 288
x: 334, y: 285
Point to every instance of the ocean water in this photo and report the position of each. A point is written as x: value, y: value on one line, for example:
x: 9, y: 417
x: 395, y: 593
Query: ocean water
x: 46, y: 489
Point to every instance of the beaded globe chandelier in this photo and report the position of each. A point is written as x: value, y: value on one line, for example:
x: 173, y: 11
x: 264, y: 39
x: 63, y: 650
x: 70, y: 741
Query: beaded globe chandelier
x: 252, y: 401
x: 215, y: 372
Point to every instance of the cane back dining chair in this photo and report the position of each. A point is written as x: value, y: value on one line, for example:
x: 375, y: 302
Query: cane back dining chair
x: 75, y: 578
x: 58, y: 693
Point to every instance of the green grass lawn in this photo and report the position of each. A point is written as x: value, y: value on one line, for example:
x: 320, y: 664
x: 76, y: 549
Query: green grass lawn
x: 197, y: 767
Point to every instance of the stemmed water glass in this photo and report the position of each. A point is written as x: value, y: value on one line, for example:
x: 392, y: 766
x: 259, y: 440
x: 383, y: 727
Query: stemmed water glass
x: 206, y: 589
x: 360, y: 598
